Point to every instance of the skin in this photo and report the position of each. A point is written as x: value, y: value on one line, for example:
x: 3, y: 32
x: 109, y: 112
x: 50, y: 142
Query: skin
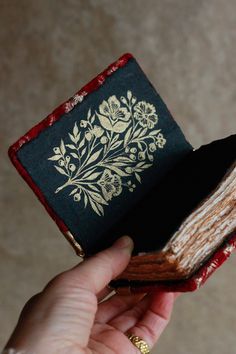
x: 71, y: 316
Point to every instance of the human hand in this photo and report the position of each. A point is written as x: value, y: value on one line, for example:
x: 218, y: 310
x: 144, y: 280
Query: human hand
x: 70, y: 317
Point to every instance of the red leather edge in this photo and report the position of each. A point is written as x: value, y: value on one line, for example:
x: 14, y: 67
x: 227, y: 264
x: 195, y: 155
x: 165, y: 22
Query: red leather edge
x: 199, y: 278
x: 65, y: 107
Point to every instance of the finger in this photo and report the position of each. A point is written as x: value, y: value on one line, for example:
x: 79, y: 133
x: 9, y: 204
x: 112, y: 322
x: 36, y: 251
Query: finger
x: 129, y: 318
x: 115, y: 305
x: 96, y: 272
x: 151, y: 325
x: 103, y: 294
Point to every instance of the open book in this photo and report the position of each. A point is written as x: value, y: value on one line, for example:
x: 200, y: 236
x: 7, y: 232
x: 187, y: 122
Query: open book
x: 111, y: 161
x: 191, y: 213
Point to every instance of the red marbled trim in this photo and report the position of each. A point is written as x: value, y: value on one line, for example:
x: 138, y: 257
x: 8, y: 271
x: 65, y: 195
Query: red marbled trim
x: 50, y: 120
x: 199, y: 278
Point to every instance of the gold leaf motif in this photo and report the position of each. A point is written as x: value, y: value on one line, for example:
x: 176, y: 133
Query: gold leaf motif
x: 74, y: 191
x: 138, y: 177
x: 81, y: 144
x: 75, y: 130
x: 74, y: 155
x: 88, y: 173
x: 93, y: 188
x: 62, y: 147
x: 114, y: 146
x: 72, y: 147
x: 119, y: 171
x: 72, y: 138
x: 85, y: 200
x: 127, y: 136
x: 95, y: 207
x: 54, y: 158
x: 118, y: 142
x: 98, y: 198
x: 129, y: 95
x: 93, y: 176
x: 94, y: 157
x: 59, y: 169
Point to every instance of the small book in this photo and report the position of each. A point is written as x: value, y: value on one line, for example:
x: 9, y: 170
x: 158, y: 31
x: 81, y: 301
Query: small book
x: 111, y: 161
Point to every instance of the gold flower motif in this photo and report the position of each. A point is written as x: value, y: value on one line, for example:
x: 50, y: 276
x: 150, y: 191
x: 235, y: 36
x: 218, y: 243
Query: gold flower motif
x: 111, y: 184
x: 145, y: 113
x: 98, y: 162
x: 160, y: 140
x: 112, y: 116
x: 97, y: 131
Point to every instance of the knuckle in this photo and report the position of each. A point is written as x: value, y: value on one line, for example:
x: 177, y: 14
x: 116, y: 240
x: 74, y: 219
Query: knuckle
x: 105, y: 262
x: 148, y: 331
x: 104, y: 256
x: 58, y: 281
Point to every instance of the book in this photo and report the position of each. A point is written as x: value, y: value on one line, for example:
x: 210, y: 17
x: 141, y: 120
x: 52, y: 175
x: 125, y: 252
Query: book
x: 195, y: 216
x: 111, y: 160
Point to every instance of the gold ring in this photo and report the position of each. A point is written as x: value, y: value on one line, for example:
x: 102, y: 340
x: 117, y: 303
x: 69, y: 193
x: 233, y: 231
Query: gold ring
x: 139, y: 343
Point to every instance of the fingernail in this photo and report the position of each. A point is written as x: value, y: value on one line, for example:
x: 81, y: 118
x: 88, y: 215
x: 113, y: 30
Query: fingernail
x: 125, y: 242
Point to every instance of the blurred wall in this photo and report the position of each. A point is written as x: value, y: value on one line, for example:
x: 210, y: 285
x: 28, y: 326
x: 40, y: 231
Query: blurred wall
x: 49, y: 49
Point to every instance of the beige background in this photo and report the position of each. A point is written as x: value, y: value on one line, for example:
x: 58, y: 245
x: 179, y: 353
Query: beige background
x: 49, y: 49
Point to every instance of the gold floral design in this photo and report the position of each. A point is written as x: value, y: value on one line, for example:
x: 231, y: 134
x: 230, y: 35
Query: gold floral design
x: 146, y: 114
x: 108, y: 151
x: 112, y: 116
x: 111, y: 184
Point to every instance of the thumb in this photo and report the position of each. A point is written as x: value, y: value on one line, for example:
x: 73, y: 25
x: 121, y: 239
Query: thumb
x: 97, y: 271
